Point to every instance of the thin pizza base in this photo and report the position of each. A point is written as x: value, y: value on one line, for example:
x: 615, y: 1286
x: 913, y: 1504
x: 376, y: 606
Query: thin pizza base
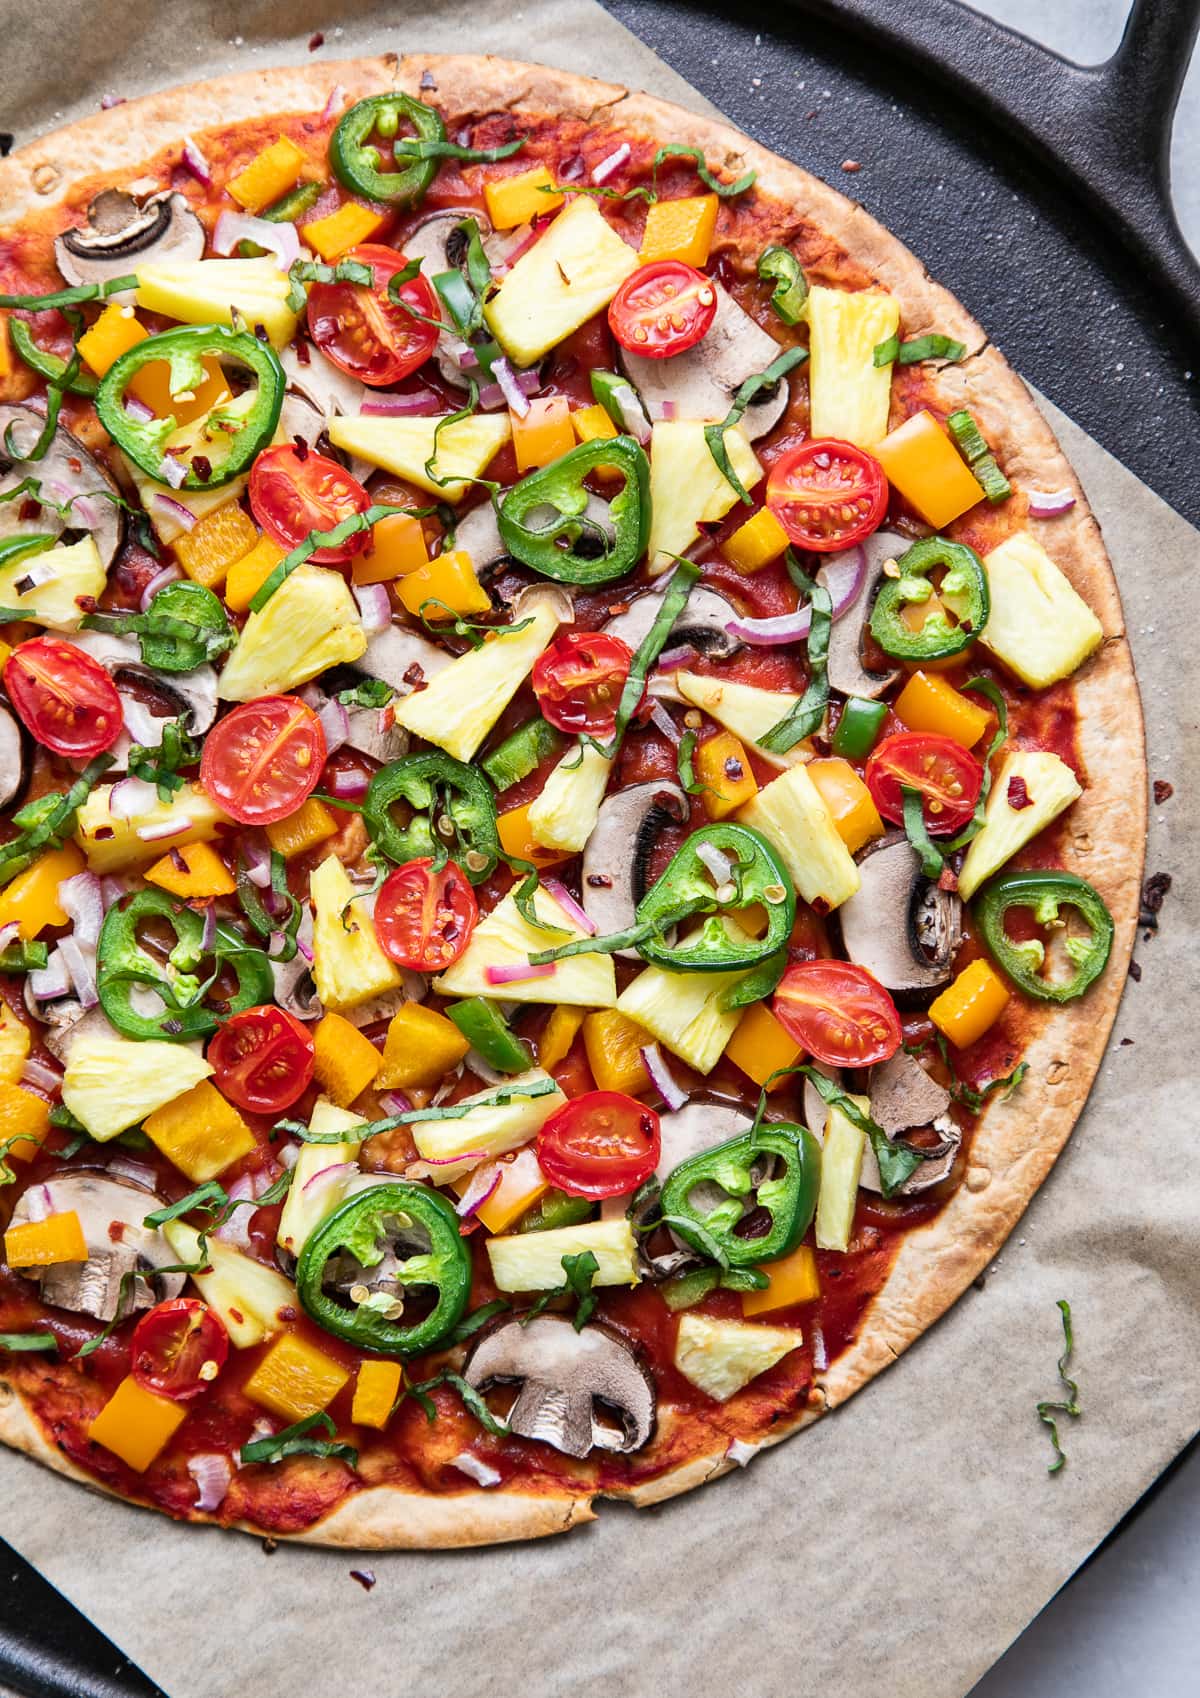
x: 1015, y: 1143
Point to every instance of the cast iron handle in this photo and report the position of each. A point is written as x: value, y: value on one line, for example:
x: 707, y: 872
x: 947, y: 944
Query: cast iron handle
x: 1105, y: 128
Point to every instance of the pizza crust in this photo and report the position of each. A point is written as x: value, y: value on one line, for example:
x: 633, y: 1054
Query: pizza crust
x: 1015, y: 1143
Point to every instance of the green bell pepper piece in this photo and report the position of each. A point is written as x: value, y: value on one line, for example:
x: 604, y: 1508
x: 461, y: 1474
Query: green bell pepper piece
x: 356, y: 163
x: 27, y: 955
x: 47, y: 365
x: 452, y: 813
x: 522, y: 750
x: 1045, y: 893
x: 555, y: 1208
x: 552, y: 547
x: 736, y: 1171
x: 487, y: 1031
x: 963, y: 589
x: 858, y: 728
x: 687, y: 888
x: 289, y: 207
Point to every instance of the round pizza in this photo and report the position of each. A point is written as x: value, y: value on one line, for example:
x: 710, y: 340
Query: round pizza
x: 572, y: 798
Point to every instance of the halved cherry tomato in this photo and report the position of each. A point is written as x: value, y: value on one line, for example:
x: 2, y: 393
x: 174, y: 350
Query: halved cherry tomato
x: 178, y: 1349
x: 424, y: 916
x: 600, y: 1145
x: 294, y: 491
x: 663, y: 309
x: 366, y: 333
x: 838, y: 1012
x: 827, y: 495
x: 578, y: 681
x: 64, y: 697
x: 948, y: 776
x: 264, y: 759
x: 262, y: 1059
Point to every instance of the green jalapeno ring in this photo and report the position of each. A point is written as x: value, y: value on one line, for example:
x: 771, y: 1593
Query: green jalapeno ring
x: 964, y: 590
x: 686, y: 887
x: 789, y: 1199
x: 357, y: 1226
x: 434, y: 783
x: 356, y: 163
x: 551, y: 549
x: 185, y: 350
x: 1045, y: 892
x: 48, y: 365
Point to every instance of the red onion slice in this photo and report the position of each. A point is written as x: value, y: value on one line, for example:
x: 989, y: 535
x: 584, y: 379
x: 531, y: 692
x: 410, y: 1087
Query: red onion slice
x: 282, y: 240
x: 335, y: 723
x: 83, y: 975
x: 844, y: 574
x: 348, y: 786
x: 1052, y: 505
x: 670, y: 660
x: 661, y: 1078
x: 208, y: 936
x: 159, y: 829
x: 484, y: 1182
x: 168, y: 574
x: 137, y: 409
x: 662, y: 721
x: 9, y: 933
x: 213, y: 1475
x: 337, y: 95
x: 394, y: 1102
x: 571, y: 169
x: 183, y: 516
x: 82, y: 900
x: 519, y: 972
x: 612, y: 164
x: 506, y: 382
x: 475, y: 1469
x: 196, y: 162
x: 43, y: 1077
x: 48, y: 983
x: 569, y: 906
x: 130, y: 797
x: 418, y: 404
x: 374, y: 606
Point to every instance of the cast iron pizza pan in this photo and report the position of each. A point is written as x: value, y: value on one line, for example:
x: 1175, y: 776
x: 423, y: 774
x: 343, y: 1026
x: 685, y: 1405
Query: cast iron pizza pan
x: 1033, y: 189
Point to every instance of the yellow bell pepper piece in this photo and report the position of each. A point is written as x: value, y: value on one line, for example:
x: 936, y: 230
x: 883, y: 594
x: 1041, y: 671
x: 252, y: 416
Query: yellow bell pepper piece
x: 215, y: 542
x: 613, y: 1044
x: 23, y: 1115
x: 517, y: 840
x: 848, y: 800
x: 203, y: 874
x: 343, y: 229
x: 113, y: 334
x: 760, y: 1046
x: 517, y: 200
x: 136, y: 1424
x: 32, y: 897
x: 200, y: 1132
x: 6, y: 357
x: 311, y: 824
x: 722, y: 766
x: 295, y: 1379
x: 560, y: 1032
x: 449, y: 580
x: 592, y: 424
x: 544, y: 434
x: 397, y: 548
x: 969, y: 1006
x: 680, y: 229
x: 269, y: 175
x: 756, y: 543
x: 41, y: 1243
x: 345, y: 1062
x: 924, y: 465
x: 421, y: 1047
x: 248, y: 575
x: 793, y: 1279
x: 14, y: 1053
x: 375, y: 1392
x: 930, y: 704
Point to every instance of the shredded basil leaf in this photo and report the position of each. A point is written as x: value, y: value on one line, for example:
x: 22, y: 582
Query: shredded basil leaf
x: 72, y: 297
x: 971, y: 1099
x: 295, y: 1441
x: 302, y: 271
x: 897, y: 1162
x: 984, y: 687
x: 1048, y: 1408
x: 714, y: 434
x: 371, y: 693
x: 414, y: 147
x: 677, y: 150
x: 470, y: 1324
x: 28, y: 1341
x: 580, y: 1271
x: 805, y: 717
x: 321, y: 539
x: 471, y: 1398
x: 933, y: 347
x: 928, y: 853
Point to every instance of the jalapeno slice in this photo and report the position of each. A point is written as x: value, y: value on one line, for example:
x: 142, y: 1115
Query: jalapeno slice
x: 963, y: 591
x: 251, y: 423
x: 1045, y: 894
x: 695, y: 882
x: 374, y: 1257
x: 453, y: 813
x: 357, y: 164
x: 544, y: 522
x: 751, y: 1199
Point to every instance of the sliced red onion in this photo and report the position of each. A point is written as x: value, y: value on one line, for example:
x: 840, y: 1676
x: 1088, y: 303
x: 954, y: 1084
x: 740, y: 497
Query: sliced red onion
x: 130, y: 797
x: 213, y: 1475
x: 196, y: 162
x: 491, y: 398
x: 571, y: 169
x: 324, y: 1175
x: 419, y: 404
x: 37, y: 1202
x: 302, y: 944
x: 282, y: 240
x: 258, y: 861
x: 137, y: 409
x: 9, y: 933
x: 843, y: 576
x: 172, y: 470
x: 169, y: 574
x: 394, y: 1102
x: 820, y: 1356
x: 82, y: 900
x: 667, y: 410
x: 208, y: 936
x: 374, y: 606
x: 158, y: 829
x: 612, y: 164
x: 506, y: 380
x: 740, y: 1452
x: 183, y: 516
x: 1050, y: 506
x: 112, y: 889
x: 335, y: 723
x: 484, y: 1182
x: 349, y: 785
x: 569, y: 906
x: 476, y: 1469
x: 662, y: 721
x: 82, y: 971
x: 519, y: 971
x: 531, y: 232
x: 51, y: 981
x: 660, y: 1074
x: 718, y: 864
x: 670, y: 660
x: 43, y: 1077
x: 337, y: 95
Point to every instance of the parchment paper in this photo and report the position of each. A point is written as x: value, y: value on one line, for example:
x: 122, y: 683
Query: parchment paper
x: 898, y: 1546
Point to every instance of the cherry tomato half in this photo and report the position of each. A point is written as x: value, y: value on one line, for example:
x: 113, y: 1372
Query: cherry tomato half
x: 663, y: 309
x: 264, y: 759
x: 600, y: 1145
x: 579, y: 679
x: 64, y: 697
x: 948, y: 776
x: 178, y: 1349
x: 838, y: 1012
x: 262, y: 1059
x: 827, y: 495
x: 294, y: 491
x: 424, y: 916
x: 364, y: 332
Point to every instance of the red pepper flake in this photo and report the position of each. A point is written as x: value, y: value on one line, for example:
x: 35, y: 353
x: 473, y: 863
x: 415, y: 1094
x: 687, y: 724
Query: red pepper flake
x: 202, y: 467
x: 364, y: 1576
x: 301, y: 447
x: 1162, y: 791
x: 1018, y: 794
x: 237, y: 1314
x: 29, y: 508
x: 599, y: 881
x: 415, y: 674
x: 116, y: 1231
x: 289, y: 1312
x: 851, y: 165
x: 1135, y: 972
x: 316, y: 40
x: 103, y: 833
x: 734, y: 769
x: 303, y: 357
x: 947, y: 879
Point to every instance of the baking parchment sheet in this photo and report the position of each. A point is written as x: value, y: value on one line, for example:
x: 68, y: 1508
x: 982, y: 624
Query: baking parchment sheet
x: 896, y: 1547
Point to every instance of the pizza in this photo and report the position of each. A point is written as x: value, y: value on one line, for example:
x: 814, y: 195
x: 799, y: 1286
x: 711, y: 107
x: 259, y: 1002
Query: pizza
x: 573, y: 793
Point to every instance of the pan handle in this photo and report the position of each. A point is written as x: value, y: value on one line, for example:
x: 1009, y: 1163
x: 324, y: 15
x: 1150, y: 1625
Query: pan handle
x: 1105, y: 128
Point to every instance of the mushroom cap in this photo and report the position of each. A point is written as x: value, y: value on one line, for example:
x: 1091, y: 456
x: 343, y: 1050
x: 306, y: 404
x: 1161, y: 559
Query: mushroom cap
x: 67, y: 472
x: 562, y: 1375
x: 904, y: 1098
x: 701, y: 622
x: 394, y: 651
x: 120, y: 231
x: 326, y: 387
x: 194, y: 693
x: 619, y: 849
x: 703, y: 1122
x: 111, y: 1214
x: 13, y: 763
x: 367, y: 734
x: 478, y: 535
x: 880, y: 921
x: 844, y: 666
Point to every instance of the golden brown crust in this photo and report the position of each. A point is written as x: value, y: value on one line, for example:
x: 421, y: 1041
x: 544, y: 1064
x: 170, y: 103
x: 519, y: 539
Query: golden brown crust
x: 1016, y: 1142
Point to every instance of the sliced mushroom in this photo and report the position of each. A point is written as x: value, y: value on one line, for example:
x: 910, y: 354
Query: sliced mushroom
x: 478, y: 535
x: 438, y: 243
x: 412, y: 988
x: 121, y: 234
x: 13, y: 764
x: 553, y: 596
x: 66, y: 1021
x: 295, y: 987
x: 701, y: 623
x: 401, y: 658
x: 701, y: 1124
x: 900, y: 925
x: 193, y: 695
x: 372, y: 733
x: 615, y: 874
x: 300, y: 420
x: 563, y: 1375
x: 904, y: 1098
x: 846, y: 671
x: 75, y: 489
x: 701, y: 383
x: 111, y: 1213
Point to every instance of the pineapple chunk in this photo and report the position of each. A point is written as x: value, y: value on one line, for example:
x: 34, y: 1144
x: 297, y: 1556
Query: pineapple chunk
x: 723, y: 1356
x: 506, y: 939
x: 1039, y: 626
x: 309, y: 624
x: 349, y: 967
x: 112, y: 1083
x: 491, y: 1129
x: 402, y: 447
x: 745, y: 710
x: 841, y: 1166
x: 15, y: 1045
x: 569, y: 275
x: 210, y: 291
x: 306, y: 1208
x: 683, y: 1011
x: 688, y: 488
x: 465, y: 699
x: 246, y: 1294
x: 532, y: 1261
x: 1050, y: 786
x: 849, y: 395
x: 77, y: 572
x: 795, y: 819
x: 112, y: 845
x: 565, y: 814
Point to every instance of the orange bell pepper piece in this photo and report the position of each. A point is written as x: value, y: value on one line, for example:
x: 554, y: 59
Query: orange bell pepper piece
x: 558, y: 1036
x: 24, y: 1118
x: 544, y: 434
x: 32, y: 897
x: 269, y: 175
x: 928, y: 703
x: 518, y: 841
x: 792, y: 1279
x: 295, y: 1379
x: 756, y: 543
x: 41, y: 1243
x: 443, y: 588
x: 214, y: 543
x: 680, y: 229
x: 613, y: 1044
x: 519, y: 199
x: 202, y: 876
x: 311, y: 824
x: 760, y: 1046
x: 136, y: 1424
x: 924, y: 465
x: 397, y: 548
x: 247, y: 575
x: 200, y: 1132
x: 343, y: 229
x: 345, y: 1062
x: 375, y: 1392
x: 848, y: 800
x: 723, y: 767
x: 422, y: 1046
